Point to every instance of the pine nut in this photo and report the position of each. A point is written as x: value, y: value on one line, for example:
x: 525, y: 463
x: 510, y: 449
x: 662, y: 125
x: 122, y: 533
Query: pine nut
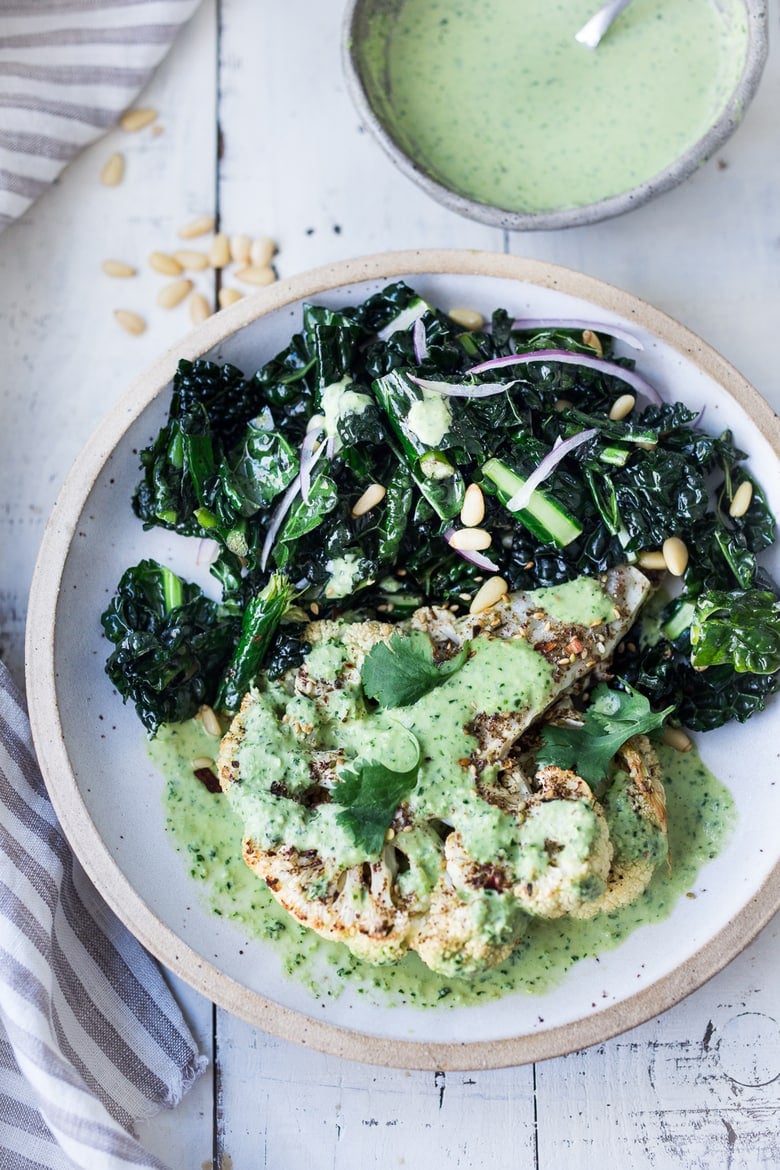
x: 174, y: 293
x: 473, y: 511
x: 374, y: 493
x: 741, y: 499
x: 228, y: 296
x: 208, y: 717
x: 563, y: 404
x: 676, y: 738
x: 470, y: 539
x: 262, y: 251
x: 488, y: 594
x: 468, y: 318
x: 675, y: 553
x: 197, y: 227
x: 130, y: 322
x: 240, y: 246
x: 651, y: 559
x: 113, y: 171
x: 252, y: 274
x: 136, y: 119
x: 191, y: 259
x: 202, y: 762
x: 200, y: 309
x: 118, y: 268
x: 622, y: 406
x: 168, y: 265
x: 593, y: 341
x: 219, y: 252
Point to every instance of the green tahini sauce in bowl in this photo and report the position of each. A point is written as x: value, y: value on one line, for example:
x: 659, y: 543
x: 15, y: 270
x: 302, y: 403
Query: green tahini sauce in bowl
x: 498, y: 112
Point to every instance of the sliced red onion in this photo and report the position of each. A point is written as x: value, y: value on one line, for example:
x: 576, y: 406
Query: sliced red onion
x: 278, y: 519
x: 309, y: 455
x: 459, y: 390
x: 476, y: 558
x: 208, y: 551
x: 420, y: 342
x: 567, y: 358
x: 560, y: 450
x: 573, y: 323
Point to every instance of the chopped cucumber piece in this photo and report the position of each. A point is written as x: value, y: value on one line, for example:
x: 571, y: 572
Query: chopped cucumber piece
x: 680, y: 620
x: 543, y: 516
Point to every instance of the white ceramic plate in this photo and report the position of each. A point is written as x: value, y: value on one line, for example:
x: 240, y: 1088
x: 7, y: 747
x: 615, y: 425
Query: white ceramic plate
x: 107, y: 795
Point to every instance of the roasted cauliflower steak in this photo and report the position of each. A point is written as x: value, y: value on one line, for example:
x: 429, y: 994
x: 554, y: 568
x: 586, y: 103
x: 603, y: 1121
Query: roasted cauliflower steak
x: 483, y: 842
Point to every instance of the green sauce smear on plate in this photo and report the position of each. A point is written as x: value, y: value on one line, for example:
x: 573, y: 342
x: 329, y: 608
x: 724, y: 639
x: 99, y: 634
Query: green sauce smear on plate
x: 207, y: 835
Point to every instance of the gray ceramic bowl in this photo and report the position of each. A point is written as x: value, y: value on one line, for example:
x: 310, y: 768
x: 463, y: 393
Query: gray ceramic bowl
x: 368, y: 30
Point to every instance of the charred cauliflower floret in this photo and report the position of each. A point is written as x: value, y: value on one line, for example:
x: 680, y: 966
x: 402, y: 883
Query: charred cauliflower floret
x: 565, y: 850
x: 475, y: 842
x: 474, y: 921
x: 635, y: 810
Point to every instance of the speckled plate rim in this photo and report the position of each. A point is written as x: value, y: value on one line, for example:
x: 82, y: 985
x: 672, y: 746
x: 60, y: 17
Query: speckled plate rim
x: 52, y: 748
x: 675, y: 173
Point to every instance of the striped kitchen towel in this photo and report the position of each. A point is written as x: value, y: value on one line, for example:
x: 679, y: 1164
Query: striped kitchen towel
x: 91, y: 1039
x: 68, y: 70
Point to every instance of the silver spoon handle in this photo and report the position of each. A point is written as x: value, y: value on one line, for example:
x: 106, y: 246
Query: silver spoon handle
x: 591, y: 33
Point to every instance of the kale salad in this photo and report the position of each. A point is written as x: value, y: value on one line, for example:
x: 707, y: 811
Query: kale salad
x: 338, y: 480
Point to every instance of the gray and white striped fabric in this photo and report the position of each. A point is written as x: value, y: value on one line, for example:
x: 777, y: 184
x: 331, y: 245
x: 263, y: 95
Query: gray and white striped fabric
x: 91, y: 1039
x: 68, y: 70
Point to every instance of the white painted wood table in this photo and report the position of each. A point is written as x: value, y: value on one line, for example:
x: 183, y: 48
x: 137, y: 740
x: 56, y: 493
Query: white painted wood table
x: 257, y: 128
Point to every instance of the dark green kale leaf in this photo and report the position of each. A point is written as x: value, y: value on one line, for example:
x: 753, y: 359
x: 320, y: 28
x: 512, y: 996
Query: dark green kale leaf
x: 261, y: 619
x: 395, y: 515
x: 610, y: 719
x: 702, y: 699
x: 171, y: 643
x: 758, y: 525
x: 659, y: 495
x: 183, y: 468
x: 401, y: 671
x: 262, y: 467
x: 739, y: 628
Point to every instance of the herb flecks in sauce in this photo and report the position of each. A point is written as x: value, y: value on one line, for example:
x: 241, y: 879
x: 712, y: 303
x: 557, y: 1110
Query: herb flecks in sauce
x: 207, y: 835
x: 497, y: 101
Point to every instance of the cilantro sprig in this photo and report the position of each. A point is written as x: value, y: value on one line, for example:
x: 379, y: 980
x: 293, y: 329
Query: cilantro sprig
x: 611, y: 719
x: 369, y: 793
x: 399, y: 672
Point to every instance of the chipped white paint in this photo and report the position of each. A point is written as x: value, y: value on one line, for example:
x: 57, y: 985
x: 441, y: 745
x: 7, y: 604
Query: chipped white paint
x: 698, y: 1088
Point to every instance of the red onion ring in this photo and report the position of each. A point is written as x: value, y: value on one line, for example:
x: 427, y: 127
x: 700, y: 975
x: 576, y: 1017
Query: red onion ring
x: 566, y: 357
x: 545, y: 469
x: 277, y: 519
x: 573, y: 323
x: 419, y: 341
x: 460, y: 390
x: 309, y: 454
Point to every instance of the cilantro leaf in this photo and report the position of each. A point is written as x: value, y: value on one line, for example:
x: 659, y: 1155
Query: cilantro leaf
x: 401, y: 671
x: 369, y: 793
x: 611, y: 719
